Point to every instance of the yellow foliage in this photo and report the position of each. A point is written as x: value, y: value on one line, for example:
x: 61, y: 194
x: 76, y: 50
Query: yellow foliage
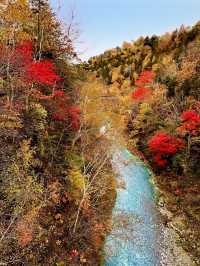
x: 20, y: 183
x: 135, y: 76
x: 147, y: 50
x: 126, y: 84
x: 10, y: 121
x: 126, y: 45
x: 188, y: 67
x: 75, y: 159
x: 155, y: 67
x: 116, y: 74
x: 145, y: 109
x: 38, y: 115
x: 77, y: 183
x: 147, y: 61
x: 104, y: 104
x: 17, y: 16
x: 167, y: 60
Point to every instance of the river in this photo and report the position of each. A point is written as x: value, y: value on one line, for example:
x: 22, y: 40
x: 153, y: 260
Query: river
x: 138, y: 237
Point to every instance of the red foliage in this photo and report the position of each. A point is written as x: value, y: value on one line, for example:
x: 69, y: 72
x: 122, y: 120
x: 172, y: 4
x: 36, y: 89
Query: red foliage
x: 145, y: 77
x: 60, y: 107
x: 21, y: 57
x: 141, y: 93
x: 58, y: 93
x: 62, y: 110
x: 74, y: 253
x: 190, y: 116
x: 24, y: 51
x: 190, y: 122
x: 42, y: 72
x: 74, y: 113
x: 59, y: 117
x: 160, y: 161
x: 162, y: 145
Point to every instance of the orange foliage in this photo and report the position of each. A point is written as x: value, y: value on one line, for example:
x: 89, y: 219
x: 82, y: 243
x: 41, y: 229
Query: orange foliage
x: 24, y: 233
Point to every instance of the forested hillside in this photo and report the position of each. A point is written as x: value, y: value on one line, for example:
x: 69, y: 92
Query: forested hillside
x: 59, y: 122
x: 55, y: 176
x: 160, y: 74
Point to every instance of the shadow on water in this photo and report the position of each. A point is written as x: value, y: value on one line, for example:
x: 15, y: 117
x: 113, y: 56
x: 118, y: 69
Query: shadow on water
x: 136, y: 235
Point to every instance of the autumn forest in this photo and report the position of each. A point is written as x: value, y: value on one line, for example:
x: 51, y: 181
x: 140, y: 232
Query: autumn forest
x: 61, y: 122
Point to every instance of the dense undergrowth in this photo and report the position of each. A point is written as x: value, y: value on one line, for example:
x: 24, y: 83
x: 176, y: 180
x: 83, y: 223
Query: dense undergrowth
x: 56, y: 186
x: 160, y: 74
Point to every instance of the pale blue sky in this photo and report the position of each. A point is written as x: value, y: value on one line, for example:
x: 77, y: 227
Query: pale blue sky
x: 106, y: 24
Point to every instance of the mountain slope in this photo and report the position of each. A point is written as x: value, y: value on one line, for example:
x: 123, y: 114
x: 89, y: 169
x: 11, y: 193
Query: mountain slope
x: 160, y: 76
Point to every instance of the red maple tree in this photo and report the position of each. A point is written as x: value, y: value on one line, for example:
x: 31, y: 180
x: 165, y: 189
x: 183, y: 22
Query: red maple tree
x: 23, y: 54
x: 145, y: 77
x: 74, y: 113
x: 163, y: 145
x: 42, y: 72
x: 190, y: 122
x: 142, y: 92
x: 63, y: 111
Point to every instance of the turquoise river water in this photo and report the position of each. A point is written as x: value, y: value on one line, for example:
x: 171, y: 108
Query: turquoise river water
x: 136, y: 235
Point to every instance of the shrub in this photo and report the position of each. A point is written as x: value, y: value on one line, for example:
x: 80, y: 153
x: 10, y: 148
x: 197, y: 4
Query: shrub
x: 141, y: 94
x: 42, y: 72
x: 164, y: 145
x: 190, y: 123
x: 145, y: 77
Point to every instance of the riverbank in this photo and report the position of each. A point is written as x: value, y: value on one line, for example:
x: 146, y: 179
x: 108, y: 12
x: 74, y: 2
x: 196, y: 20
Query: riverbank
x: 175, y: 209
x: 136, y: 199
x: 174, y: 223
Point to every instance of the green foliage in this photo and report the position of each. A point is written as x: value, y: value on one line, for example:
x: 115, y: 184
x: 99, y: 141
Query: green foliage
x: 178, y: 163
x: 171, y: 84
x: 38, y: 115
x: 76, y: 184
x: 74, y: 159
x: 74, y: 177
